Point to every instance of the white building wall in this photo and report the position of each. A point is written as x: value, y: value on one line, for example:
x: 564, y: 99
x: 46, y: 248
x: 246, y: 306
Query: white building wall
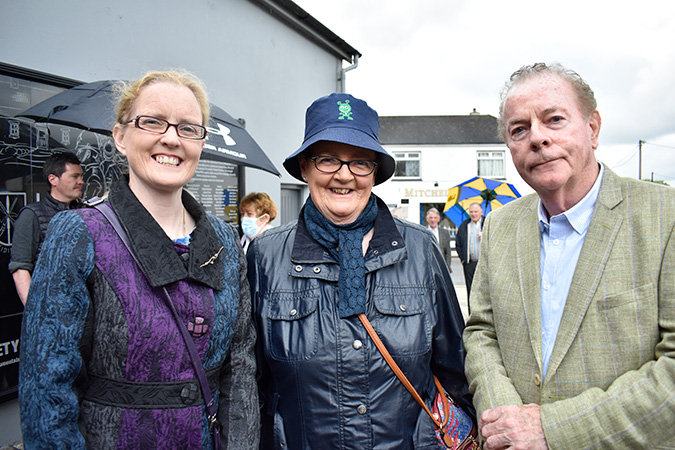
x: 441, y: 167
x: 254, y: 66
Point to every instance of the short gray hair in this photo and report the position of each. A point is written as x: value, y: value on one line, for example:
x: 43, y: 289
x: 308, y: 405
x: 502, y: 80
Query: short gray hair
x: 585, y: 95
x: 432, y: 210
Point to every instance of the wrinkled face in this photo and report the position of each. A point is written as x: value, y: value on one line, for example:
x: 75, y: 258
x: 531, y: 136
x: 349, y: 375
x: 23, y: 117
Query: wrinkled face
x: 341, y: 196
x: 68, y: 186
x: 475, y: 213
x: 551, y: 142
x: 161, y: 162
x: 433, y: 219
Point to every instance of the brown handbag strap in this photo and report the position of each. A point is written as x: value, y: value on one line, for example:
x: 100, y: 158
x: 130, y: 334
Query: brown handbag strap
x: 401, y: 376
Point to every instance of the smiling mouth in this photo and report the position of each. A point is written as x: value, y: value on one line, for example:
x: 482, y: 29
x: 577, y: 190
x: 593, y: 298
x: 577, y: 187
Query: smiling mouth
x: 341, y: 191
x: 165, y: 160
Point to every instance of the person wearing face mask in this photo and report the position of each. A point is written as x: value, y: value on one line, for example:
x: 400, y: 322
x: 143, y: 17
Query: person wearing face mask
x: 257, y: 212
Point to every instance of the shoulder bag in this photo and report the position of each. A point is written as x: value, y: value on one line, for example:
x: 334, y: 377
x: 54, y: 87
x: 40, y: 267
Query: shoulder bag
x: 454, y: 428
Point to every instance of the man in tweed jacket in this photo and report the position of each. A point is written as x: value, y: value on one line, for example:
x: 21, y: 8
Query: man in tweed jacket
x: 571, y: 339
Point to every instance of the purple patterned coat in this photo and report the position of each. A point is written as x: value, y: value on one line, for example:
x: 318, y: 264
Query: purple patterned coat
x: 103, y: 363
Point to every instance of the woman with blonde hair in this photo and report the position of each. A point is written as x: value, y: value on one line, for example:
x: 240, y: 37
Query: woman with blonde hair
x: 139, y: 313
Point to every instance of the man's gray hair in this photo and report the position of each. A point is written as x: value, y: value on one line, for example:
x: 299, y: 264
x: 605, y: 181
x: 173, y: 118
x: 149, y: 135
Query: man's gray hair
x: 476, y: 204
x: 433, y: 210
x: 585, y: 95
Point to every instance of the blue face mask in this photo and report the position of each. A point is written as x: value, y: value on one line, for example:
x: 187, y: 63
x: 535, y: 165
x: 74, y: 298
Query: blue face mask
x: 250, y: 225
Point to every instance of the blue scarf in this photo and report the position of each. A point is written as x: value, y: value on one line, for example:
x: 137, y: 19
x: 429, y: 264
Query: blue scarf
x: 345, y: 244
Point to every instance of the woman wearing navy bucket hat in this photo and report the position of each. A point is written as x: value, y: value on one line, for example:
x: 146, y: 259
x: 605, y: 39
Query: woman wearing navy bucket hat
x: 323, y: 383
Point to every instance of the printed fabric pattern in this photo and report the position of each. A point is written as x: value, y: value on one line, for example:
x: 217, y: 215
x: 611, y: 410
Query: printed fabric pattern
x: 97, y: 315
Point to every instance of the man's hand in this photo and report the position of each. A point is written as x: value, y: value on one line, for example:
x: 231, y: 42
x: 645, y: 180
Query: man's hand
x: 513, y: 427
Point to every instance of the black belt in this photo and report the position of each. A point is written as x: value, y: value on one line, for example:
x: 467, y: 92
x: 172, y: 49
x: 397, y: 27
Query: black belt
x: 153, y: 395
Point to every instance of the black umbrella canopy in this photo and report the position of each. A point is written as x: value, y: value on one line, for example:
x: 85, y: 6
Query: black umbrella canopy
x: 227, y: 138
x: 91, y: 106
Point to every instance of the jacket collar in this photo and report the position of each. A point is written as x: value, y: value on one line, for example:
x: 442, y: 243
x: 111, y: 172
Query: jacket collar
x: 57, y: 204
x: 386, y: 238
x: 588, y: 274
x: 601, y: 235
x: 157, y: 253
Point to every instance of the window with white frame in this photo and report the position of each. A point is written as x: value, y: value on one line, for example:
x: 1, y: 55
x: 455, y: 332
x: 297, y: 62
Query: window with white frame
x: 491, y: 164
x: 407, y: 165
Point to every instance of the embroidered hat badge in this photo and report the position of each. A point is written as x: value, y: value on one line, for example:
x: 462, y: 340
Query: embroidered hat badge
x: 345, y: 110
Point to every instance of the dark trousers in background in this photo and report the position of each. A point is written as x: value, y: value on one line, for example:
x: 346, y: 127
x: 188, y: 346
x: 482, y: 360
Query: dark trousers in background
x: 469, y: 270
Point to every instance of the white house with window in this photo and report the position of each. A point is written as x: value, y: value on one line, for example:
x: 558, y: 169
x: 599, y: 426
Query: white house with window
x: 435, y: 153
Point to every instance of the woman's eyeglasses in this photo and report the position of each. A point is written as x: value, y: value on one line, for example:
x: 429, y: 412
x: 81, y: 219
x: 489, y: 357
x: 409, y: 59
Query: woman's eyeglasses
x: 161, y: 126
x: 330, y: 164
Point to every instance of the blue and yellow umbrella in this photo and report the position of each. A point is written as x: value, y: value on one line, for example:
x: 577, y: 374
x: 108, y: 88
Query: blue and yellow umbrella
x: 490, y: 194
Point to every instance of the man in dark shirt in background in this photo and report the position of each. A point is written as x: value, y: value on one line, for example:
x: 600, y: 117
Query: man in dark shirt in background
x: 63, y: 173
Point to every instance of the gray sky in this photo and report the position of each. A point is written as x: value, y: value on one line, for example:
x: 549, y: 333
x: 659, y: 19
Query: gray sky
x: 446, y: 57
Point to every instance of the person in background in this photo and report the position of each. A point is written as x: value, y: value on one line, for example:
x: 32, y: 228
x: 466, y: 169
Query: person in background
x: 62, y: 172
x: 571, y: 339
x: 441, y: 234
x: 257, y: 211
x: 103, y: 362
x: 467, y: 244
x: 323, y: 383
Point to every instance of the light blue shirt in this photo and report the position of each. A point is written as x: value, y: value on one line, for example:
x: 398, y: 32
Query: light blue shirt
x: 561, y: 240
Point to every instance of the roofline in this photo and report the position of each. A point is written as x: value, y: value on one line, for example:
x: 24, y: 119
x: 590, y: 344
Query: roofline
x: 11, y: 70
x: 298, y: 19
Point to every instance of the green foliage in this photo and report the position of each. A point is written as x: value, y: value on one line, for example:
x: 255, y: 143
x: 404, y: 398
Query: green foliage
x: 656, y: 181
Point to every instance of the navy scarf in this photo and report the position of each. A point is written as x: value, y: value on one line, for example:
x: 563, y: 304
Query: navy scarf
x: 345, y: 244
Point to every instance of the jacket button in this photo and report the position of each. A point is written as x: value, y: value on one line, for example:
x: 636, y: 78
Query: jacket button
x: 403, y: 308
x: 394, y: 244
x: 317, y: 269
x: 189, y: 394
x: 537, y: 380
x: 357, y: 344
x: 298, y: 268
x: 293, y: 312
x: 362, y: 409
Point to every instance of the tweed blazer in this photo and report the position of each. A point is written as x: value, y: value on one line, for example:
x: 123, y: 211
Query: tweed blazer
x: 611, y: 377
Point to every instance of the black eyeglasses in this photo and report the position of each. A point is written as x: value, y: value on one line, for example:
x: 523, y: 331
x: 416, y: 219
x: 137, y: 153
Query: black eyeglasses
x: 330, y: 164
x: 161, y: 126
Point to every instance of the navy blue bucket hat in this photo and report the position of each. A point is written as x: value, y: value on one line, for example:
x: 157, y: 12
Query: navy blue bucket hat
x: 346, y: 119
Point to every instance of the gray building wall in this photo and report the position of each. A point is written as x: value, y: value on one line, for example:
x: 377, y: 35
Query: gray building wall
x: 255, y: 67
